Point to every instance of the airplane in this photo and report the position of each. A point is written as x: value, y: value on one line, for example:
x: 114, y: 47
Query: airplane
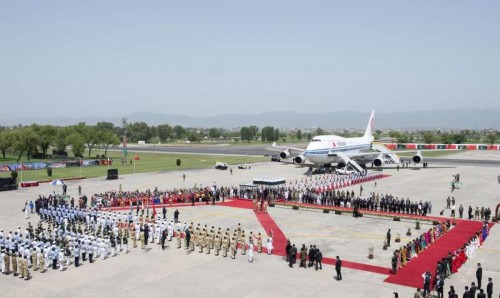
x: 326, y: 150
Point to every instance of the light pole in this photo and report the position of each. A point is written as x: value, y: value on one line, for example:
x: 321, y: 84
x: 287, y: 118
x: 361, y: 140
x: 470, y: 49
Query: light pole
x: 125, y: 153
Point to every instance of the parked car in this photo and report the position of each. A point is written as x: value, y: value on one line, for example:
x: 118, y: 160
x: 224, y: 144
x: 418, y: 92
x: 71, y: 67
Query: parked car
x: 220, y: 166
x: 243, y: 167
x: 275, y: 157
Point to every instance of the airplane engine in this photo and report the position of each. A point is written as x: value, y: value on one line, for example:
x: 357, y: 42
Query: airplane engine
x: 379, y: 161
x: 285, y: 154
x: 417, y: 158
x: 299, y: 159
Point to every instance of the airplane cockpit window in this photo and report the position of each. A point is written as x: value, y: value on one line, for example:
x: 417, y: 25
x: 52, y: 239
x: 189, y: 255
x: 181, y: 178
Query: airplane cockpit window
x: 316, y: 140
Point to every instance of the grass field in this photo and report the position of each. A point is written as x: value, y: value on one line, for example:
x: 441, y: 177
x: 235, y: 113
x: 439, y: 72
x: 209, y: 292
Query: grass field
x: 148, y: 162
x: 431, y: 153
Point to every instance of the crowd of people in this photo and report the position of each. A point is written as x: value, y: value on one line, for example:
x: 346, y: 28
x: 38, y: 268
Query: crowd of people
x: 483, y: 214
x: 452, y: 262
x: 309, y: 258
x: 68, y: 235
x: 182, y: 195
x: 402, y: 256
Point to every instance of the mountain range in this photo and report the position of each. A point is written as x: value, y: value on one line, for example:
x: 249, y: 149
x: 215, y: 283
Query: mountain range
x: 432, y: 119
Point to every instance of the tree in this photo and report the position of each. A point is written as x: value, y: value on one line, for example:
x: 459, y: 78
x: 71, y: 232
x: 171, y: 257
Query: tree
x: 60, y: 139
x: 107, y: 139
x: 319, y: 131
x: 248, y: 133
x: 179, y: 132
x: 47, y: 134
x: 459, y: 138
x: 25, y: 141
x: 267, y: 134
x: 309, y: 136
x: 164, y: 132
x: 299, y: 135
x: 253, y: 131
x: 245, y: 134
x: 193, y: 136
x: 446, y: 138
x: 428, y: 137
x: 139, y: 131
x: 105, y: 126
x: 214, y: 133
x: 77, y: 142
x: 6, y: 141
x: 90, y: 136
x: 490, y: 138
x: 276, y: 135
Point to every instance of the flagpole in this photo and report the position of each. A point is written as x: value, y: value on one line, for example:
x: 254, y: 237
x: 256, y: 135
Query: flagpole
x: 21, y: 172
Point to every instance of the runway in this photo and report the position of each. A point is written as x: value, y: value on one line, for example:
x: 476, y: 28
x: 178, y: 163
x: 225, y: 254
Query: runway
x: 262, y: 150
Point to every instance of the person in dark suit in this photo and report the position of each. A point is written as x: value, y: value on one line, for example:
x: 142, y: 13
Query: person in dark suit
x: 338, y: 267
x: 176, y: 215
x: 479, y: 275
x: 489, y: 288
x: 146, y: 235
x: 389, y: 237
x: 481, y: 294
x: 318, y: 257
x: 473, y: 289
x: 466, y: 293
x: 164, y: 211
x: 439, y: 286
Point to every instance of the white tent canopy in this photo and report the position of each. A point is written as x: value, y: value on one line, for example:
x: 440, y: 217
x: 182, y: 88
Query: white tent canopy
x: 57, y: 182
x: 269, y: 181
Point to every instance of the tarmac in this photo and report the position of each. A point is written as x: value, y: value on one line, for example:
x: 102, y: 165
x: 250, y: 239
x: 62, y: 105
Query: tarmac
x: 175, y: 272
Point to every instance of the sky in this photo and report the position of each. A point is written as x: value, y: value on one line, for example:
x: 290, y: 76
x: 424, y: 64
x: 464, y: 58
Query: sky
x: 199, y: 58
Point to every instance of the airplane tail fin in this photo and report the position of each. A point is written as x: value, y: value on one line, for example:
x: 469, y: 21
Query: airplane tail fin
x: 370, y: 128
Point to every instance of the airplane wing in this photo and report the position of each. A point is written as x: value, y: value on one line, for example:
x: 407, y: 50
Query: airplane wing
x: 291, y: 151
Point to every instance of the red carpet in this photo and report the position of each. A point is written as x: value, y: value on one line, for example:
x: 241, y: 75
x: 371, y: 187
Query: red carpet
x: 279, y: 239
x: 411, y: 275
x: 358, y: 266
x: 269, y: 225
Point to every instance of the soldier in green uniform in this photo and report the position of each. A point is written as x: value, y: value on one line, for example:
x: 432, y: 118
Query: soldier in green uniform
x: 20, y: 264
x: 224, y: 247
x: 178, y: 236
x: 33, y: 260
x: 14, y: 263
x: 243, y: 242
x: 6, y: 260
x: 201, y: 240
x: 234, y: 247
x: 26, y: 269
x: 217, y: 243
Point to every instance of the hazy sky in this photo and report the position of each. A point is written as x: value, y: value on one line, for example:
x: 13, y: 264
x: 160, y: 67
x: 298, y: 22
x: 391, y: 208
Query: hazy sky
x: 94, y: 58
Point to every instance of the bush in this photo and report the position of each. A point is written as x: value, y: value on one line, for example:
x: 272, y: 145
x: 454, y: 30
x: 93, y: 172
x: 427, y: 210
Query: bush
x: 271, y: 205
x: 295, y: 207
x: 13, y: 175
x: 396, y: 219
x: 326, y: 211
x: 178, y: 162
x: 338, y: 212
x: 49, y: 172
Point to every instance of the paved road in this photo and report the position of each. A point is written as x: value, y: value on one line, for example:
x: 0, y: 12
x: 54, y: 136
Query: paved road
x: 260, y: 150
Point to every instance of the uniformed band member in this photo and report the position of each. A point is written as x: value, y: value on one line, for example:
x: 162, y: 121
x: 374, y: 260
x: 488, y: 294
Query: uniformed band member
x: 179, y: 240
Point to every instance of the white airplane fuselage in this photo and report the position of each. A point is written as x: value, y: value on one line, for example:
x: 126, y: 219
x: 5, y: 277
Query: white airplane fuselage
x: 324, y: 149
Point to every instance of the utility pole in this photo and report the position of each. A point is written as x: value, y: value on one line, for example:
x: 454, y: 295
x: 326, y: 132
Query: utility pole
x: 125, y: 141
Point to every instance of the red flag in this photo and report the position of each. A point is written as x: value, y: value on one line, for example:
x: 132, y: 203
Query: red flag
x: 154, y: 211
